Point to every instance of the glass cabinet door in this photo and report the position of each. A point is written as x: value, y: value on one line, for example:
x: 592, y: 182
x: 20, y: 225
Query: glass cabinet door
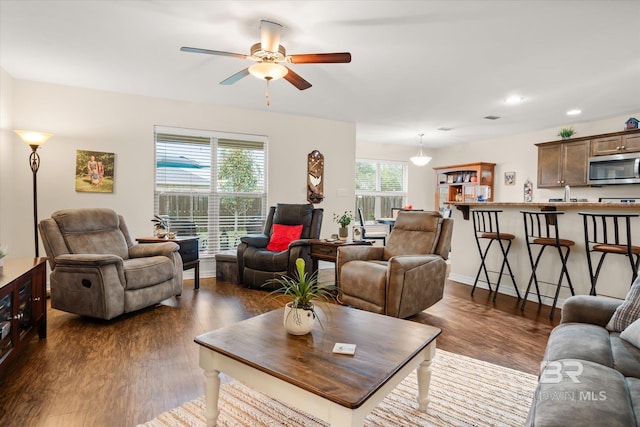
x: 5, y: 324
x: 25, y: 308
x: 469, y: 193
x: 443, y: 197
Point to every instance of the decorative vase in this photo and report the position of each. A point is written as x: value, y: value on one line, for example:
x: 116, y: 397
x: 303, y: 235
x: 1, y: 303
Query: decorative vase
x: 343, y: 232
x: 161, y: 232
x: 298, y: 321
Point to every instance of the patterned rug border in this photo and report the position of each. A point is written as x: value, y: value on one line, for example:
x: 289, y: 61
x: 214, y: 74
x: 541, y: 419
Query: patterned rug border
x: 464, y: 392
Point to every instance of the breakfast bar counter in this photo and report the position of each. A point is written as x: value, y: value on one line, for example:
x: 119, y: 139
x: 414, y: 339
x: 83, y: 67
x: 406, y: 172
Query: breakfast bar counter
x: 464, y: 207
x: 615, y: 277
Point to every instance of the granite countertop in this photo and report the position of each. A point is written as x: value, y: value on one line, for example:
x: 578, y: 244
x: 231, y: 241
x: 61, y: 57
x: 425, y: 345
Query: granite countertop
x: 465, y: 207
x: 616, y: 205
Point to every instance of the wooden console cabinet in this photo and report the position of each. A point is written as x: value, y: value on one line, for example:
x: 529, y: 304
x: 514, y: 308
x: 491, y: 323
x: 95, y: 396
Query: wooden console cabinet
x: 23, y: 306
x: 459, y: 183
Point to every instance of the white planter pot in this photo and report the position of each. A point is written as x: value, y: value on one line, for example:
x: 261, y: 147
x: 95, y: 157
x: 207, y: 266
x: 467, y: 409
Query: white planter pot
x: 298, y: 321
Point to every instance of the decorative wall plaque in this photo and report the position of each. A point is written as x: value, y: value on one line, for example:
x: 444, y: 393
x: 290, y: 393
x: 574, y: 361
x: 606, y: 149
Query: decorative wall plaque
x: 315, y: 177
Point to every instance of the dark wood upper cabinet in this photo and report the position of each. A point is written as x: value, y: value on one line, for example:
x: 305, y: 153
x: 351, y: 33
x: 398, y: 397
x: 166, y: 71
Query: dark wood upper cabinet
x: 566, y: 162
x: 616, y: 144
x: 563, y: 163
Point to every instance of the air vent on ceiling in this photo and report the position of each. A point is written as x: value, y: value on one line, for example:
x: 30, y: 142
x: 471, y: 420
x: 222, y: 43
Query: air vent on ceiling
x: 445, y: 129
x: 492, y: 117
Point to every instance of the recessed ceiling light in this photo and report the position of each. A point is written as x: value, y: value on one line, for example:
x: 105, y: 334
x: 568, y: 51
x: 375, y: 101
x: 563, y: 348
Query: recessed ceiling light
x: 574, y: 112
x: 514, y: 99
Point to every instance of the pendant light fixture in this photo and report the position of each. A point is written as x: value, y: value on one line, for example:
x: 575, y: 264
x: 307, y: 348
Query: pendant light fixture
x: 420, y: 159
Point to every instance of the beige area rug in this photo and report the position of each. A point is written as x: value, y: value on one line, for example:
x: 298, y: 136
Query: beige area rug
x: 463, y: 392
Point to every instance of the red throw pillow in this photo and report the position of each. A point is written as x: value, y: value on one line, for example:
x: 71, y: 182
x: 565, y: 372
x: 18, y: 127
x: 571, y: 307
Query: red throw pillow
x: 282, y: 235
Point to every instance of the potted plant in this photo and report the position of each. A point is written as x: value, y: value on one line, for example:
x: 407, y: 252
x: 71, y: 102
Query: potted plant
x: 344, y: 220
x: 566, y: 133
x: 300, y: 313
x: 161, y: 225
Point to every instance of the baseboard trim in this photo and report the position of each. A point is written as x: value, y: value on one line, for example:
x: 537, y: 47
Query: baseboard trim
x: 505, y: 288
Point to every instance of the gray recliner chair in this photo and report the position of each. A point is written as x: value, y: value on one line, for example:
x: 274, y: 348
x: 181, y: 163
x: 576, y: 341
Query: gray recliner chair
x: 404, y: 277
x: 96, y: 269
x: 257, y: 264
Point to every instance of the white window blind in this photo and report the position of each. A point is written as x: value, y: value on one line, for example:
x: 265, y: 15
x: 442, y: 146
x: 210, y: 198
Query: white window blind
x: 380, y: 186
x: 212, y: 182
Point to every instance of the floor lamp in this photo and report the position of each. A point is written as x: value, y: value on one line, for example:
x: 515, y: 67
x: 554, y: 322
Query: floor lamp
x: 34, y: 140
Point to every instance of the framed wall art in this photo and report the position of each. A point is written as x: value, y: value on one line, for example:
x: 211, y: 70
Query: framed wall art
x: 509, y: 178
x: 315, y: 177
x: 94, y: 171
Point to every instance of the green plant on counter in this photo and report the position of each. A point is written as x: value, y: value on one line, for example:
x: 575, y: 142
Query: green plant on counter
x: 566, y: 132
x: 345, y: 219
x: 3, y: 250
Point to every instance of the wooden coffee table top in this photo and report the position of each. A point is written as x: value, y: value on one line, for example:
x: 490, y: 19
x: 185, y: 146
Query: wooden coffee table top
x: 384, y: 345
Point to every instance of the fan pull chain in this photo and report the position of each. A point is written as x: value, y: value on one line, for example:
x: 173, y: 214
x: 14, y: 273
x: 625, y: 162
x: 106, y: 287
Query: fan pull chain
x: 268, y: 79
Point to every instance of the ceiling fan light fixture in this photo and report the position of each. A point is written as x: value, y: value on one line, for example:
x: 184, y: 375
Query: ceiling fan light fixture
x: 420, y: 159
x: 268, y: 70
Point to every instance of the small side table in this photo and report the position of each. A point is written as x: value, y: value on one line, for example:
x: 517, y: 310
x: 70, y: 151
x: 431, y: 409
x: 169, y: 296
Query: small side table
x: 188, y: 252
x: 328, y: 251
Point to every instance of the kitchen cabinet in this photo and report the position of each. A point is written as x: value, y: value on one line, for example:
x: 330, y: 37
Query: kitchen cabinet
x: 463, y: 183
x: 615, y: 144
x: 563, y: 163
x: 23, y: 306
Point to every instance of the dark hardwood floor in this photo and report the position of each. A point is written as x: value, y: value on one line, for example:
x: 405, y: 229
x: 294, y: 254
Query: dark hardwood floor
x: 126, y: 371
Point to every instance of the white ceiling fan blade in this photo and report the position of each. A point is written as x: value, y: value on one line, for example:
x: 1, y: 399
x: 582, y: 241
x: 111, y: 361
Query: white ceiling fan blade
x: 270, y: 36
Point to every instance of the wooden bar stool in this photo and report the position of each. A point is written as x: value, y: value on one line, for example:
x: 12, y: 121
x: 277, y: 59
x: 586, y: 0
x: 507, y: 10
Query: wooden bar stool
x: 487, y: 229
x: 541, y: 231
x: 609, y: 233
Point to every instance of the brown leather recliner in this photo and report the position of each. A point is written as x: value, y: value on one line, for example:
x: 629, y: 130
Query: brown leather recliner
x: 257, y: 265
x: 98, y: 271
x: 404, y: 277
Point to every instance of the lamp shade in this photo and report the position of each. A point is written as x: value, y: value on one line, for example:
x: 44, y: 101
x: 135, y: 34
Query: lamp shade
x: 268, y: 70
x: 32, y: 138
x: 420, y: 160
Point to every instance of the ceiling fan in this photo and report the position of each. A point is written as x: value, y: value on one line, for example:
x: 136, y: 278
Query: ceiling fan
x: 269, y: 56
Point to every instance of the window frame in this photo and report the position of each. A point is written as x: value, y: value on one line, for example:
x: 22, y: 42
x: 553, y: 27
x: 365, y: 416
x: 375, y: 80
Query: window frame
x: 378, y: 193
x: 214, y: 221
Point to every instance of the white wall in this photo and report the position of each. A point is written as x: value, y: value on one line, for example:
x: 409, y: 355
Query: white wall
x: 519, y: 154
x: 6, y: 150
x: 123, y: 124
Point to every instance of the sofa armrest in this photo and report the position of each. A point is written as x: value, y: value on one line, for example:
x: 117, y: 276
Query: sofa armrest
x: 299, y: 242
x: 86, y: 260
x: 589, y: 309
x: 256, y: 240
x: 414, y: 281
x: 356, y: 253
x: 359, y: 252
x: 153, y: 249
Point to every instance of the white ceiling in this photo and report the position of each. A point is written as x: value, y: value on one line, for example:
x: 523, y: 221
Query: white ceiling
x: 417, y: 65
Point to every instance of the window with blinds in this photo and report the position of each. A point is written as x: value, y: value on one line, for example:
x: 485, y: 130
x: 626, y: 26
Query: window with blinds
x: 211, y: 184
x: 380, y: 186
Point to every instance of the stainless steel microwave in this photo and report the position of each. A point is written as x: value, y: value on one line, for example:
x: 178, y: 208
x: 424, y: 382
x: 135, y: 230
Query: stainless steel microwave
x: 615, y: 169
